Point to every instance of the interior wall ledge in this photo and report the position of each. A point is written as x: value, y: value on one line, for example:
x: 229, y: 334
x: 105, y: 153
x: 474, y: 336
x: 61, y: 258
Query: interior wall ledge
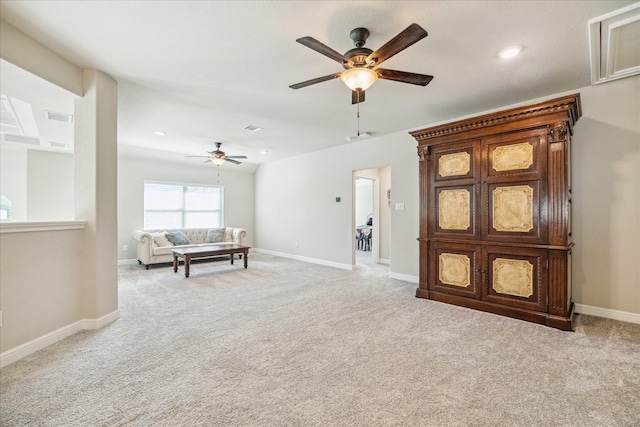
x: 31, y: 226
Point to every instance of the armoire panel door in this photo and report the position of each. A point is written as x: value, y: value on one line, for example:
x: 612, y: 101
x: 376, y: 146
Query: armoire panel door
x: 455, y: 269
x: 514, y: 191
x: 515, y: 212
x: 515, y: 277
x: 515, y: 156
x: 455, y: 191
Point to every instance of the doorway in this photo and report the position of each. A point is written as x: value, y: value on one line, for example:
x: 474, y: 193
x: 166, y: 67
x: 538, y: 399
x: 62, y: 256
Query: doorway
x: 371, y: 218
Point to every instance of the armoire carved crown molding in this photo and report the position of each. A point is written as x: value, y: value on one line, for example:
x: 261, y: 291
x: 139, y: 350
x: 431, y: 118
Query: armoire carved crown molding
x: 512, y: 115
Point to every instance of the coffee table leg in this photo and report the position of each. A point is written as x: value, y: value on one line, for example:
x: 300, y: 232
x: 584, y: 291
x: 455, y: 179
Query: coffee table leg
x: 246, y: 256
x: 175, y: 263
x: 187, y: 264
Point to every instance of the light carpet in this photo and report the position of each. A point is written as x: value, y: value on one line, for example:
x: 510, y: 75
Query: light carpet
x: 289, y: 343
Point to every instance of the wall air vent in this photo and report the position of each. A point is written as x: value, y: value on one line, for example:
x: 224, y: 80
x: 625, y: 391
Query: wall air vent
x: 614, y: 43
x: 58, y: 144
x: 59, y: 117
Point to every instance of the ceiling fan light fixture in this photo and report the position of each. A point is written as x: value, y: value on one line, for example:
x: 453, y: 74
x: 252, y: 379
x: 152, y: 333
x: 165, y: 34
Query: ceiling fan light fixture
x: 359, y: 78
x: 217, y: 161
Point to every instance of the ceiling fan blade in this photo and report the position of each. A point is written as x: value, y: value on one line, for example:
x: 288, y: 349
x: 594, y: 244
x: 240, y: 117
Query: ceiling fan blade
x: 357, y: 96
x: 404, y: 77
x: 322, y: 48
x: 316, y: 80
x: 235, y: 162
x: 406, y: 38
x: 237, y: 157
x: 207, y: 161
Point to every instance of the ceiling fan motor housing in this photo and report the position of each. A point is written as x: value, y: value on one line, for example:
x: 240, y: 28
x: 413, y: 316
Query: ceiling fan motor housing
x: 359, y: 36
x: 357, y: 57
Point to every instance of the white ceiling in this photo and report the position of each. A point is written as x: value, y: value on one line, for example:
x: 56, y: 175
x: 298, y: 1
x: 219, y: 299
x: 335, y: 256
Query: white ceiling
x: 203, y: 70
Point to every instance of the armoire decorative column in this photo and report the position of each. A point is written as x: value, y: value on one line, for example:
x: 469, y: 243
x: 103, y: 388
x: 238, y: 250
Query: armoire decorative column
x: 495, y: 212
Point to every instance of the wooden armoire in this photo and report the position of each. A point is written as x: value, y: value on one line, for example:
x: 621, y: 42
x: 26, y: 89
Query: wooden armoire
x: 495, y: 212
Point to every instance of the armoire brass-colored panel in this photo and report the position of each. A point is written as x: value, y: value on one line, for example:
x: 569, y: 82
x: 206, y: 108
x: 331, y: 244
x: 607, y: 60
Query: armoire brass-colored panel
x: 513, y: 208
x: 454, y: 210
x: 513, y: 157
x: 454, y: 269
x: 454, y: 164
x: 513, y: 277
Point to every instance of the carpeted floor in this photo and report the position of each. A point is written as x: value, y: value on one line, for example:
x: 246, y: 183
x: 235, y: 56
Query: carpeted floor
x: 289, y: 343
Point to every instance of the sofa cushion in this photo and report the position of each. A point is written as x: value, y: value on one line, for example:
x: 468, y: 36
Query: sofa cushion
x: 178, y: 238
x: 215, y: 235
x: 160, y: 239
x: 228, y: 234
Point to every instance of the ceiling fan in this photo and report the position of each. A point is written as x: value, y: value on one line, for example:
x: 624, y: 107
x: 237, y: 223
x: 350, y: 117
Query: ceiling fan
x: 359, y: 62
x: 218, y: 157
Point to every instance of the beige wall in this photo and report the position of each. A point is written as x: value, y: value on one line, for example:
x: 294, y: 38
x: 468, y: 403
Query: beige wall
x: 606, y: 197
x: 134, y: 169
x: 50, y: 195
x: 21, y: 50
x: 295, y: 202
x: 53, y: 279
x: 41, y: 284
x: 606, y: 193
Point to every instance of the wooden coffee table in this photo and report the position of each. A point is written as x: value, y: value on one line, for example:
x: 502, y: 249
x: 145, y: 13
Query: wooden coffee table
x: 207, y: 252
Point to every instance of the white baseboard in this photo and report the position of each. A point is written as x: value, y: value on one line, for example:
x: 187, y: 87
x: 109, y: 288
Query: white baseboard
x: 405, y: 277
x: 384, y: 261
x: 305, y: 259
x: 17, y: 353
x: 608, y: 313
x: 102, y: 321
x: 127, y: 261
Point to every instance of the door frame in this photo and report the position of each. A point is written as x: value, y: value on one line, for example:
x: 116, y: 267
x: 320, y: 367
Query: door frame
x: 375, y: 242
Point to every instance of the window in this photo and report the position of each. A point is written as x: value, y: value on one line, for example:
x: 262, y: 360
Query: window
x: 170, y: 206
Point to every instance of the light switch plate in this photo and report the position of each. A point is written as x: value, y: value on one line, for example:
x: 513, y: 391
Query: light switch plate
x: 399, y: 206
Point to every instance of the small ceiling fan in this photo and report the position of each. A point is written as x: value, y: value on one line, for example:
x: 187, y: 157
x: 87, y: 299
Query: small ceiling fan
x: 218, y: 157
x: 359, y: 62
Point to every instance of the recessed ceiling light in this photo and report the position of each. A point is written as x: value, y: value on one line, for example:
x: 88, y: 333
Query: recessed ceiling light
x: 160, y: 133
x: 263, y: 152
x: 510, y: 52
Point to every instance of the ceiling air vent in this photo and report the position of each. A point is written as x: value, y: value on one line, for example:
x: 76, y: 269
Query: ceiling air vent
x: 614, y: 42
x: 59, y: 117
x: 253, y: 128
x: 21, y: 139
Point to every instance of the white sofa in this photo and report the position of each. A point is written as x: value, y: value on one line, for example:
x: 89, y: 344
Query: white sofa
x: 154, y: 248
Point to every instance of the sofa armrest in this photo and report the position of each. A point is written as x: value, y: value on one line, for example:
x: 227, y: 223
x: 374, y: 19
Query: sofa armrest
x: 144, y: 247
x: 142, y: 236
x: 238, y: 234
